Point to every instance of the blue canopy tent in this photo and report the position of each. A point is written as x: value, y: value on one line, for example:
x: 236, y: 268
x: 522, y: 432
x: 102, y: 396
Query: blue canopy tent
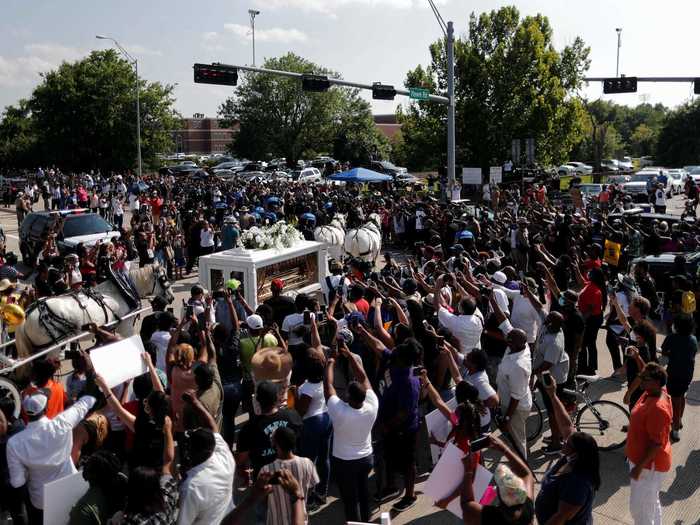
x: 360, y: 175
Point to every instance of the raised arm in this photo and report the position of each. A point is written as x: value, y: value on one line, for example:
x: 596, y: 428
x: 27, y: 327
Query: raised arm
x: 155, y: 380
x: 382, y: 334
x: 358, y: 370
x: 203, y: 415
x: 400, y: 314
x: 561, y: 416
x: 374, y: 343
x: 233, y: 316
x: 434, y: 396
x: 123, y: 414
x: 328, y: 379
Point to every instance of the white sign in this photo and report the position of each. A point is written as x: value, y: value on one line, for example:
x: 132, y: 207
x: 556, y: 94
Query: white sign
x: 495, y: 174
x: 120, y: 361
x: 385, y: 520
x: 60, y: 496
x: 448, y: 475
x: 439, y: 426
x: 471, y: 176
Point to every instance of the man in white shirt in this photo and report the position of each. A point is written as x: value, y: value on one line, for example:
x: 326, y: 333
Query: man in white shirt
x: 206, y: 494
x: 466, y: 326
x: 525, y: 313
x: 660, y: 199
x: 41, y: 453
x: 293, y: 322
x: 352, y: 436
x: 161, y: 339
x: 513, y: 381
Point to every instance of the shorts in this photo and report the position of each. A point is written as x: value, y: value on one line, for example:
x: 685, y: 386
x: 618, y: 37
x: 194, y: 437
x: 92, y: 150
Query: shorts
x: 677, y: 387
x: 180, y: 262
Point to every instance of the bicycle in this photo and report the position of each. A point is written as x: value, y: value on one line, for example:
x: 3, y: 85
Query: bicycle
x: 605, y: 420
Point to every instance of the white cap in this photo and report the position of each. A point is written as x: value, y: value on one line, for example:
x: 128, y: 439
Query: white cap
x: 254, y: 322
x: 35, y: 403
x: 499, y: 277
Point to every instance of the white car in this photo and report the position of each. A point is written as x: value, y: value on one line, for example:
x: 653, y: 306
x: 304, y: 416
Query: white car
x: 306, y: 175
x: 625, y: 165
x: 676, y: 181
x: 575, y: 168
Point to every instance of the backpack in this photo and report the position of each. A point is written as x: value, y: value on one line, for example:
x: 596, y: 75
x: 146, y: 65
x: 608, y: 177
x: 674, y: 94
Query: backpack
x: 688, y: 303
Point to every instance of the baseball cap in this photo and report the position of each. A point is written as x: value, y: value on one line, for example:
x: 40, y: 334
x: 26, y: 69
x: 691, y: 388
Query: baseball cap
x: 35, y: 403
x: 254, y: 322
x: 277, y: 283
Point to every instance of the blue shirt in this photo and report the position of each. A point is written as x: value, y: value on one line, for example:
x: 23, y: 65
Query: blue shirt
x: 401, y: 395
x: 229, y: 236
x: 572, y: 488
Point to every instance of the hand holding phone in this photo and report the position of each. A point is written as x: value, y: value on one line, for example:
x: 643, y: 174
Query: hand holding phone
x: 547, y: 379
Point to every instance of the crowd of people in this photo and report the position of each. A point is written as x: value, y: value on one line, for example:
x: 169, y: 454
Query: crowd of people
x: 259, y: 415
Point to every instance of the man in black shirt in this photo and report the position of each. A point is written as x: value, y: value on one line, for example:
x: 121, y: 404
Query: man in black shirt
x: 281, y: 305
x: 149, y: 325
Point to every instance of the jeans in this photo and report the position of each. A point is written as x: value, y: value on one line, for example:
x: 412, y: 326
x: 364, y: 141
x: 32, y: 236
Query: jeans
x: 352, y: 477
x: 232, y: 398
x: 645, y: 506
x: 315, y: 445
x: 118, y: 221
x: 613, y: 348
x: 588, y: 358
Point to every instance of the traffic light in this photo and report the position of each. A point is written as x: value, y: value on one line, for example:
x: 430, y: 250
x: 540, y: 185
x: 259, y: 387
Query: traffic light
x: 696, y: 86
x: 317, y: 83
x: 620, y: 85
x: 215, y: 74
x: 383, y: 92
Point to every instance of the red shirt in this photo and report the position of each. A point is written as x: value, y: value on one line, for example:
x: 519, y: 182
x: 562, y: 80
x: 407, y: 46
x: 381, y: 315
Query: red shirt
x: 650, y: 422
x: 462, y: 442
x: 590, y: 300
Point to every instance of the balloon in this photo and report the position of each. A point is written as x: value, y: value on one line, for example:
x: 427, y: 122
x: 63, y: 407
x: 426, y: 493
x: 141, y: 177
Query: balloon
x: 13, y: 314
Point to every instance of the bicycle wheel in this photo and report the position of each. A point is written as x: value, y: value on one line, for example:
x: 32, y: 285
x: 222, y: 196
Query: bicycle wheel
x: 535, y: 422
x: 606, y: 422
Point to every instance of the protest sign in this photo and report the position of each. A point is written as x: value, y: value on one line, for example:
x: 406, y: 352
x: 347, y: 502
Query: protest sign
x: 471, y: 176
x: 60, y: 496
x: 440, y: 427
x: 448, y: 474
x: 120, y: 361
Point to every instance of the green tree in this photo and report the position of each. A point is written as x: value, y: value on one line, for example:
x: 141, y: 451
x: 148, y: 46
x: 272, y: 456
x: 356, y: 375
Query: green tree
x: 643, y: 140
x: 679, y: 139
x: 510, y: 83
x: 278, y: 118
x: 17, y: 139
x: 84, y: 114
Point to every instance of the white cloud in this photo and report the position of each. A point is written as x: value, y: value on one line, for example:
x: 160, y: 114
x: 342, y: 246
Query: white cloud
x: 212, y: 41
x: 329, y: 7
x: 137, y: 50
x: 38, y: 58
x: 275, y: 34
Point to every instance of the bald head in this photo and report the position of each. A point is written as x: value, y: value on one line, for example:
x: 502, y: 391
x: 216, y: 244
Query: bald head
x: 517, y: 339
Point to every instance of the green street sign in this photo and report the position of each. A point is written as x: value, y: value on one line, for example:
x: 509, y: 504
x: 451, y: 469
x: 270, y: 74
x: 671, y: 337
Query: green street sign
x: 418, y: 93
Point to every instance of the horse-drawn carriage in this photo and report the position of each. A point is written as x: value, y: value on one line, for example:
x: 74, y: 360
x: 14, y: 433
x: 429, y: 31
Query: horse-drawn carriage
x: 52, y: 323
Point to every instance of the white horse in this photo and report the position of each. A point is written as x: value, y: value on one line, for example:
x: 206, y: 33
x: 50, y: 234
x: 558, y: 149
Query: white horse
x: 364, y: 242
x: 334, y: 237
x: 52, y: 319
x: 338, y: 221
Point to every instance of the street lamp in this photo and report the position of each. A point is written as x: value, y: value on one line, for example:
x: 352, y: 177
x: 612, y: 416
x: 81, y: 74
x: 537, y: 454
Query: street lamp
x: 135, y: 64
x: 619, y: 43
x: 253, y: 13
x: 449, y: 32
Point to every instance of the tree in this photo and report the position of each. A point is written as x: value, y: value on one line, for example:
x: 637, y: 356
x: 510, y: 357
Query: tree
x: 83, y: 116
x: 643, y: 141
x: 679, y: 139
x: 17, y: 139
x: 510, y: 83
x: 277, y: 118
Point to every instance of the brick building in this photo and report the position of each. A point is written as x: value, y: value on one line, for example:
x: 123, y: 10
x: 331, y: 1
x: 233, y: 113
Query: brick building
x: 200, y: 135
x: 387, y: 124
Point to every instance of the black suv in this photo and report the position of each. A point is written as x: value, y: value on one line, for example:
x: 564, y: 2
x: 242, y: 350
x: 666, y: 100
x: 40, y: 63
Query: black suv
x: 71, y: 228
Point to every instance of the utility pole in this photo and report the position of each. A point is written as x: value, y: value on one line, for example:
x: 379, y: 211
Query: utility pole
x: 253, y: 13
x: 619, y: 43
x: 451, y: 143
x: 135, y: 64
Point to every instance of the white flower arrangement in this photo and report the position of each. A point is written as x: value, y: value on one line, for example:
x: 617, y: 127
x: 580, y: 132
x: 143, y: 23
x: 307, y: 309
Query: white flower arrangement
x: 279, y: 236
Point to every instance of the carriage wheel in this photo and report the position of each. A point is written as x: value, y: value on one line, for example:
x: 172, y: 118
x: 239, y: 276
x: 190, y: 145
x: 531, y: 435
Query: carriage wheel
x: 9, y: 390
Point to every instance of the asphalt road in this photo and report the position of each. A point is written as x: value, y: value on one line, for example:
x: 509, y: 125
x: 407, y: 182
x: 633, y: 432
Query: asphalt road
x: 680, y: 497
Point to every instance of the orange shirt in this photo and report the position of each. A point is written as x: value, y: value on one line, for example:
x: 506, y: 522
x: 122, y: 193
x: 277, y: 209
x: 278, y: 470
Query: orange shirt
x: 650, y: 422
x: 57, y: 399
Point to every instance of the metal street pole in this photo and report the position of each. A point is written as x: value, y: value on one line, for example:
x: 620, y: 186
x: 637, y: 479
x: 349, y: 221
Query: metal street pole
x: 253, y: 13
x: 617, y: 68
x: 450, y: 109
x: 134, y: 63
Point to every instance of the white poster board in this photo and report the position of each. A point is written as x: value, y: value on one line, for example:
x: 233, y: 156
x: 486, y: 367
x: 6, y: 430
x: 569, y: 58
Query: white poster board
x: 471, y: 176
x: 440, y: 427
x: 495, y: 174
x: 448, y: 474
x: 60, y: 496
x: 384, y: 520
x: 120, y: 361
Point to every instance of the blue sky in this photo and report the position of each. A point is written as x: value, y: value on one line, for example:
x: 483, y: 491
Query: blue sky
x: 365, y: 40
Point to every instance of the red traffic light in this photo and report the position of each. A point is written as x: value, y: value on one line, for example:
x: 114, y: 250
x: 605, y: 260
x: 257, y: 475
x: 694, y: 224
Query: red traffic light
x: 215, y: 74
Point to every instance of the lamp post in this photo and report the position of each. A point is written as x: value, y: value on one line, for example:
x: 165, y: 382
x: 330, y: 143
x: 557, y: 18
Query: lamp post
x: 135, y: 65
x: 253, y: 13
x: 619, y: 43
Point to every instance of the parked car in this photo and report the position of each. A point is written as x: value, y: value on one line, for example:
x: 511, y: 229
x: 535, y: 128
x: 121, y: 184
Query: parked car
x: 233, y: 165
x: 76, y: 227
x: 306, y: 175
x: 660, y: 266
x: 386, y: 167
x: 625, y: 165
x: 405, y: 178
x: 676, y: 181
x: 574, y: 168
x: 618, y: 179
x: 609, y: 166
x: 590, y: 191
x: 10, y: 187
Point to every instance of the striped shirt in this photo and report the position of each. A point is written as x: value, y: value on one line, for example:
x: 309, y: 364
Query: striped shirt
x: 279, y: 506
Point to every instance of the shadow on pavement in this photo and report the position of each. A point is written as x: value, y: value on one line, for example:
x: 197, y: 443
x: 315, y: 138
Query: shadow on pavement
x: 615, y: 478
x: 685, y: 480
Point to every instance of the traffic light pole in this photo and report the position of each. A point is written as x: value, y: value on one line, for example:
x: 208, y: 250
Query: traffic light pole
x: 451, y: 143
x: 332, y: 81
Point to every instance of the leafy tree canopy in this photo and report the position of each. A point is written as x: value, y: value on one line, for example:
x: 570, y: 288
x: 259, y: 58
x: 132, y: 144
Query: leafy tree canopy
x: 679, y: 139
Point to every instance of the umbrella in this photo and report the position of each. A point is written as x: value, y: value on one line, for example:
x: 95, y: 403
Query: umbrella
x: 360, y: 175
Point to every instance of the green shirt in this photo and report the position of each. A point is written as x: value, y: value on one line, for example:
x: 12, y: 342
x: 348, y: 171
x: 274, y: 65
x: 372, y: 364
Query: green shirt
x: 93, y: 508
x: 248, y: 347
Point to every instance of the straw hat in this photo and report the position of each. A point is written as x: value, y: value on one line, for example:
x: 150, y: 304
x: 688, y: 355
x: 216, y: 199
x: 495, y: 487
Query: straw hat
x: 271, y: 364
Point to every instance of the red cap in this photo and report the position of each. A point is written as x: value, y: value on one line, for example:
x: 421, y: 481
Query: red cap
x: 277, y: 283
